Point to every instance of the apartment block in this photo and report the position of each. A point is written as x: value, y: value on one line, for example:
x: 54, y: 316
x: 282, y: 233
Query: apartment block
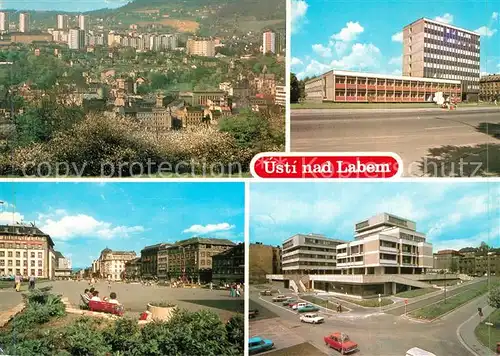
x: 347, y: 86
x: 280, y: 97
x: 76, y: 39
x: 269, y: 42
x: 437, y: 50
x: 309, y: 254
x: 229, y: 266
x: 4, y: 21
x: 62, y: 22
x: 24, y: 22
x: 489, y: 87
x: 200, y: 47
x: 26, y: 250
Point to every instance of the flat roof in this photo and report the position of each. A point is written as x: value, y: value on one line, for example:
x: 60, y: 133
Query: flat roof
x: 444, y: 24
x: 388, y: 76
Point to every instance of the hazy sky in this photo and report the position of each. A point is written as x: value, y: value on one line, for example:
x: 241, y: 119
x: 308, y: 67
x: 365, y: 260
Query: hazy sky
x: 61, y: 5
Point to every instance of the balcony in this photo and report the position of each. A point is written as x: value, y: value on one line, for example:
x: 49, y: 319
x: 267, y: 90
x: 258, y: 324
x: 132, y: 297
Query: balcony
x: 340, y: 86
x: 389, y: 262
x: 343, y: 254
x: 388, y: 249
x: 351, y: 86
x: 350, y: 264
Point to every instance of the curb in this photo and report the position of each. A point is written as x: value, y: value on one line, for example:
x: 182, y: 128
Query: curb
x: 11, y: 313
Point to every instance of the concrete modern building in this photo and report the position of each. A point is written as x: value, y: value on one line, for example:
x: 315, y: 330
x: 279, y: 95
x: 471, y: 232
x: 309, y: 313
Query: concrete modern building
x: 229, y: 266
x: 81, y: 22
x: 489, y: 87
x: 4, y: 22
x: 62, y: 22
x: 24, y: 22
x: 26, y: 250
x: 309, y: 254
x: 63, y: 266
x: 200, y: 47
x: 447, y: 260
x: 347, y: 86
x: 263, y: 260
x: 76, y: 39
x: 269, y: 42
x: 280, y: 97
x: 437, y: 50
x: 111, y: 264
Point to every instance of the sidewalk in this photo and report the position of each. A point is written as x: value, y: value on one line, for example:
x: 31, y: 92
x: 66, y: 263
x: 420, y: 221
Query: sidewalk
x: 466, y: 335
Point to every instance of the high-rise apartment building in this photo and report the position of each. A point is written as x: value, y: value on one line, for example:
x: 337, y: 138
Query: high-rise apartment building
x: 269, y: 42
x: 76, y: 39
x: 201, y: 47
x: 4, y: 23
x: 24, y: 22
x: 437, y: 50
x: 62, y: 22
x: 81, y: 22
x: 309, y: 254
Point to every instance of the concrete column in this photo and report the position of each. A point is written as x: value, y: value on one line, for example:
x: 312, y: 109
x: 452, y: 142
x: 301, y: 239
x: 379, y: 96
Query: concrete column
x: 399, y: 269
x: 312, y: 284
x: 366, y: 270
x: 393, y: 288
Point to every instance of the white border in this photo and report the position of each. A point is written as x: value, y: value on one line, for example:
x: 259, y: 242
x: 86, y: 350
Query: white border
x: 288, y: 71
x: 247, y: 266
x: 397, y: 175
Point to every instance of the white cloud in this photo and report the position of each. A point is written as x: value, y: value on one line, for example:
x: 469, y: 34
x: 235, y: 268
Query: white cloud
x: 397, y: 37
x: 313, y: 68
x: 446, y: 18
x: 396, y: 60
x: 9, y: 218
x: 403, y: 206
x: 494, y: 16
x: 397, y: 72
x: 68, y: 227
x: 322, y: 51
x: 296, y: 62
x: 209, y: 228
x: 340, y: 48
x: 362, y: 56
x: 486, y: 73
x: 350, y: 32
x: 485, y: 31
x: 299, y: 10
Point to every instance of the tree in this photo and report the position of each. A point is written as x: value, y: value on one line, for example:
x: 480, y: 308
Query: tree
x: 294, y: 89
x: 494, y: 298
x: 483, y: 249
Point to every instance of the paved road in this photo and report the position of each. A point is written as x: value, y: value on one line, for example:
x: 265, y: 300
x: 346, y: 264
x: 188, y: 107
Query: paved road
x: 378, y: 334
x: 409, y: 132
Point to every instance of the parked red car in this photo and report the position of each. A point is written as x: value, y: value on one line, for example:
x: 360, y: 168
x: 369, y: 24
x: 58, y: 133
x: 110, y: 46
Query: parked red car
x: 340, y: 342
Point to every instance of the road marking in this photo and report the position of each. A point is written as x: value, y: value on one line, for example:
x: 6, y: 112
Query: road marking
x: 459, y: 336
x: 442, y: 127
x: 279, y: 306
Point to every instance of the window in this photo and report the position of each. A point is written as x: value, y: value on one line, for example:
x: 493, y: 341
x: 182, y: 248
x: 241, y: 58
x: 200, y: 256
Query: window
x: 39, y: 254
x: 18, y: 254
x: 18, y: 263
x: 32, y: 263
x: 32, y: 255
x: 39, y: 263
x: 2, y: 254
x: 9, y: 254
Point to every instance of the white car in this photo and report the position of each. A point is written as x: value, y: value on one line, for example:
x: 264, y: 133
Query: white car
x: 312, y: 318
x: 298, y: 305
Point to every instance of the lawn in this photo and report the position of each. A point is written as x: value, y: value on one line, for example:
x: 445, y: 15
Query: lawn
x: 489, y: 335
x: 416, y: 292
x: 436, y: 310
x: 377, y: 105
x: 369, y: 303
x: 321, y: 302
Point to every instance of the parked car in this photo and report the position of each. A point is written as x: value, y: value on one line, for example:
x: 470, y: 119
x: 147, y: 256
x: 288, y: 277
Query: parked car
x: 257, y: 344
x: 312, y: 318
x: 252, y: 313
x: 266, y: 292
x: 416, y: 351
x: 280, y: 298
x: 340, y: 342
x: 298, y: 305
x: 288, y: 302
x: 308, y: 308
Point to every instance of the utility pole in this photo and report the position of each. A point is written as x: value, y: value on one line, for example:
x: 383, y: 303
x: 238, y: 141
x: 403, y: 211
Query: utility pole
x: 445, y: 283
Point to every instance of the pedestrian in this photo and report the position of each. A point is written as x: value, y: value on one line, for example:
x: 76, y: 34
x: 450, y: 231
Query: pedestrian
x: 211, y: 286
x: 32, y: 282
x: 238, y: 294
x: 17, y: 280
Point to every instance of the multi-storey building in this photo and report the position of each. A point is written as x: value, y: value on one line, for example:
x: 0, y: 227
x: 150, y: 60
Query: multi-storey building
x: 26, y: 250
x: 268, y: 42
x: 162, y: 264
x: 309, y: 254
x: 149, y: 261
x: 62, y: 22
x: 133, y: 269
x: 63, y: 266
x: 4, y: 22
x: 433, y: 49
x: 204, y: 98
x: 192, y: 258
x: 112, y: 263
x: 200, y: 47
x: 263, y: 260
x: 489, y: 87
x: 447, y: 260
x: 280, y: 97
x: 81, y: 22
x: 347, y: 86
x: 76, y: 39
x: 229, y: 266
x: 24, y: 22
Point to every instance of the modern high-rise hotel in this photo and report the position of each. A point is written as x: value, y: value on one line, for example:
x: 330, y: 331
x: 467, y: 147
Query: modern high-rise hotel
x: 437, y: 50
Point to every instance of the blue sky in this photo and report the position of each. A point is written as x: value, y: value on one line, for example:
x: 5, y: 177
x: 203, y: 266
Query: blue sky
x: 61, y: 5
x: 453, y: 215
x: 364, y: 35
x: 84, y: 218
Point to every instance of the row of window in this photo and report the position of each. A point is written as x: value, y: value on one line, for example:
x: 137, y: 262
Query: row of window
x: 20, y: 246
x: 18, y: 271
x: 452, y: 51
x: 18, y: 254
x: 456, y: 41
x: 447, y: 30
x: 452, y: 59
x: 18, y: 263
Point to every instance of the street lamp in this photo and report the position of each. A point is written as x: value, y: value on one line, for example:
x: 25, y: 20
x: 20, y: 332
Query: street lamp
x: 445, y: 283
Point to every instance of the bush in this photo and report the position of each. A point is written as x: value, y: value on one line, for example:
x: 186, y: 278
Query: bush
x: 163, y: 304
